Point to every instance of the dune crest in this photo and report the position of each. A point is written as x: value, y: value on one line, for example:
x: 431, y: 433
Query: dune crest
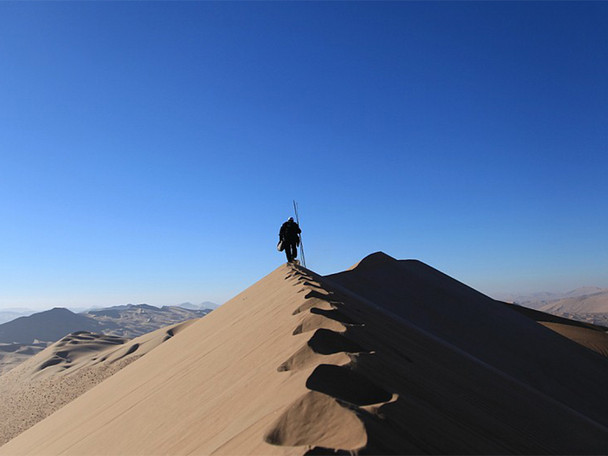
x: 299, y: 425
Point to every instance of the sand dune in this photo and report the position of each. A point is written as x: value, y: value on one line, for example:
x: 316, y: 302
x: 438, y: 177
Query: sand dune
x: 390, y: 357
x: 64, y: 370
x: 474, y: 323
x: 24, y: 337
x: 11, y: 355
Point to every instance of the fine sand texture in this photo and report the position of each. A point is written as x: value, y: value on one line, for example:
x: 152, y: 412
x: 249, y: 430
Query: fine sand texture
x: 390, y: 357
x: 63, y: 371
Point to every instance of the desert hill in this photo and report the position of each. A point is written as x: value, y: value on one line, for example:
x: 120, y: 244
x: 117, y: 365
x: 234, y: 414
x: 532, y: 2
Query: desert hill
x: 63, y: 371
x: 131, y: 320
x: 587, y: 304
x: 390, y: 357
x: 134, y: 320
x: 48, y: 326
x: 540, y: 299
x: 596, y: 302
x: 206, y: 305
x: 11, y: 314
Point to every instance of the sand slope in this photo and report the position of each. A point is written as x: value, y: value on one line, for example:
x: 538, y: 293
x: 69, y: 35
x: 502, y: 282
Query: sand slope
x: 474, y: 323
x: 63, y: 371
x: 387, y: 358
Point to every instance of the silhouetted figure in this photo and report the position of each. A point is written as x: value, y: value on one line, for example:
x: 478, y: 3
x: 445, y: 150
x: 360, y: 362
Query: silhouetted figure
x: 290, y: 237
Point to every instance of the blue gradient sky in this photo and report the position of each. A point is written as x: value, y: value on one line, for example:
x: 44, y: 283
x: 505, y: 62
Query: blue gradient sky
x: 150, y: 151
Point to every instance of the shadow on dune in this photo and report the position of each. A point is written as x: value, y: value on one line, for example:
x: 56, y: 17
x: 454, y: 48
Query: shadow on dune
x: 484, y: 329
x: 326, y: 342
x: 335, y: 314
x: 539, y: 316
x: 346, y: 385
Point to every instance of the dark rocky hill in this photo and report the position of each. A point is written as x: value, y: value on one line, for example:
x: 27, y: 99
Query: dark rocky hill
x: 49, y: 326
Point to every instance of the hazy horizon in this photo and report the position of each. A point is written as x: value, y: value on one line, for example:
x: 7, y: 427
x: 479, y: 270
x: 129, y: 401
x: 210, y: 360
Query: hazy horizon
x: 159, y: 303
x: 80, y: 308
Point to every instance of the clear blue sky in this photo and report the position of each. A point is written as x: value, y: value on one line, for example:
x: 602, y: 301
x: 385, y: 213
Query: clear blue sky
x: 151, y: 150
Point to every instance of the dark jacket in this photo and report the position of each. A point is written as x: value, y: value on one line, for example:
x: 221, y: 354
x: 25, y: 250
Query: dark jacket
x: 290, y: 232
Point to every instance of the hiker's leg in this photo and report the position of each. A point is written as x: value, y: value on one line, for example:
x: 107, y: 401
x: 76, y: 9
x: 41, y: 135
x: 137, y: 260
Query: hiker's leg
x: 288, y: 252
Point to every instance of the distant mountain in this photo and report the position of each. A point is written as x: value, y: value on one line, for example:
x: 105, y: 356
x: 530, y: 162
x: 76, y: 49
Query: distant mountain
x: 133, y: 320
x: 48, y: 326
x: 584, y: 291
x: 540, y: 300
x: 10, y: 314
x: 587, y: 304
x: 130, y: 320
x: 531, y: 300
x: 25, y: 336
x: 594, y: 302
x: 203, y: 305
x: 82, y: 309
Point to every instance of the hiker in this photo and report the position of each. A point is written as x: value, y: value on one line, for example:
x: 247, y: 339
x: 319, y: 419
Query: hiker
x: 290, y: 239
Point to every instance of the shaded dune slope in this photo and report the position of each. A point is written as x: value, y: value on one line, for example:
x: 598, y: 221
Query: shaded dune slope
x: 388, y: 358
x: 594, y: 337
x: 544, y: 317
x: 494, y: 334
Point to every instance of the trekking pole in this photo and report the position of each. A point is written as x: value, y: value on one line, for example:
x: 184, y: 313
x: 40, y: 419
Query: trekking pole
x: 295, y: 208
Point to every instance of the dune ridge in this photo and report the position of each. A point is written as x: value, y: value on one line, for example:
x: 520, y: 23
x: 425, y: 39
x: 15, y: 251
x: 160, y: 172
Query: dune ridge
x: 325, y: 416
x: 389, y: 357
